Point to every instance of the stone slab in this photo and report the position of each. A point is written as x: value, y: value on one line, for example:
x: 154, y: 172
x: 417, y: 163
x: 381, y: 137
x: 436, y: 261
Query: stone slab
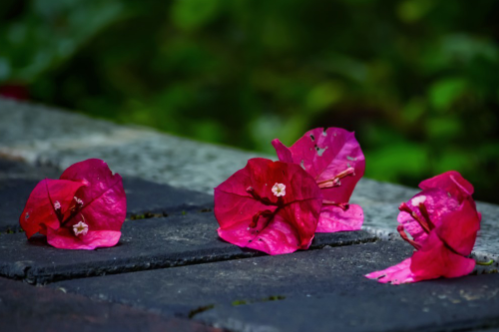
x: 148, y: 199
x: 145, y: 244
x: 370, y: 191
x: 27, y: 308
x: 466, y: 304
x: 48, y: 136
x: 487, y: 245
x: 319, y: 290
x: 180, y: 290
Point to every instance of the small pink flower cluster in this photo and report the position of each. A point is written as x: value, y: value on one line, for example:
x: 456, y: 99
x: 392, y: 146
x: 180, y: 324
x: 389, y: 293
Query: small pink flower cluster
x: 277, y: 207
x: 84, y: 209
x: 443, y: 222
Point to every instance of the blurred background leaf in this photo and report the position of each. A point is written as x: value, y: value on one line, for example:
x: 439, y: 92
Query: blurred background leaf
x: 417, y: 80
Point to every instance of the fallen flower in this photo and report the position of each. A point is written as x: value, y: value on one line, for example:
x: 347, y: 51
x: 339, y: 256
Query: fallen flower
x: 268, y: 206
x: 84, y: 209
x: 333, y: 157
x: 443, y: 223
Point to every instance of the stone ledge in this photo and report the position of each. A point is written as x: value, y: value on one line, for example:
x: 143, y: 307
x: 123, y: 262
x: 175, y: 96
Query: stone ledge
x: 46, y: 136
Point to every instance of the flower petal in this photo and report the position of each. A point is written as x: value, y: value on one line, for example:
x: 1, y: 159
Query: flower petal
x: 451, y: 182
x: 64, y: 238
x: 397, y: 274
x: 104, y: 199
x: 282, y: 151
x: 96, y: 174
x: 335, y: 219
x: 325, y: 154
x: 39, y: 212
x: 461, y: 229
x: 282, y: 229
x: 438, y: 204
x: 276, y: 239
x: 435, y: 260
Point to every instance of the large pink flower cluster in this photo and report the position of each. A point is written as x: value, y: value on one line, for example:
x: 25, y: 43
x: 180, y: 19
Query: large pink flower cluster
x: 84, y: 209
x: 277, y: 207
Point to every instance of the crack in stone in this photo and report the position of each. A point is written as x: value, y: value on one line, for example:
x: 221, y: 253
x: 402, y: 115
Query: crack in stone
x: 150, y: 214
x: 199, y: 310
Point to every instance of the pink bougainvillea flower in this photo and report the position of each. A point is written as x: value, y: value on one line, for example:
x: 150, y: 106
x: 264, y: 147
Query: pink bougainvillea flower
x: 84, y: 209
x: 443, y: 223
x: 268, y: 206
x: 14, y: 91
x: 334, y: 159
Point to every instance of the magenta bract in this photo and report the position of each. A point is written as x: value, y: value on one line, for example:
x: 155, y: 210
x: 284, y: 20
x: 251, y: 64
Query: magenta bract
x: 333, y: 157
x: 268, y: 206
x: 84, y: 209
x: 443, y: 223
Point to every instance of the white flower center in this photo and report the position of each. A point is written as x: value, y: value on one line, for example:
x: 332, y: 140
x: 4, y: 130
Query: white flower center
x: 57, y: 205
x: 80, y: 228
x: 279, y: 189
x: 418, y: 200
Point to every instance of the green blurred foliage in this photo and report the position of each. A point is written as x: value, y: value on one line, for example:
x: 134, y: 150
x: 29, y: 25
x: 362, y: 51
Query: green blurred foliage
x: 418, y: 80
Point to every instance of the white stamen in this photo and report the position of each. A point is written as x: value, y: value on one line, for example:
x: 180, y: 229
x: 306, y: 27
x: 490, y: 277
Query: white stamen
x: 279, y: 189
x: 80, y: 228
x: 418, y: 200
x: 78, y: 201
x: 57, y: 205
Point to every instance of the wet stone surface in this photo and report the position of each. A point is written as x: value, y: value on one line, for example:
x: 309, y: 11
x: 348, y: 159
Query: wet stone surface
x: 145, y: 244
x: 319, y: 290
x: 27, y: 308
